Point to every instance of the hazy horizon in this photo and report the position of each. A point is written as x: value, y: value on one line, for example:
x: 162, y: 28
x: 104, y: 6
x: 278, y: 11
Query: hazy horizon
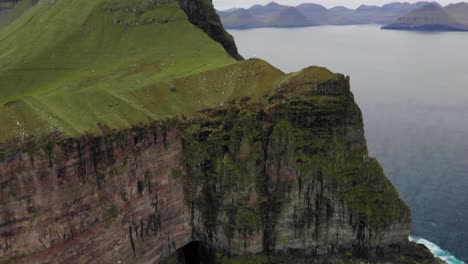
x: 226, y: 4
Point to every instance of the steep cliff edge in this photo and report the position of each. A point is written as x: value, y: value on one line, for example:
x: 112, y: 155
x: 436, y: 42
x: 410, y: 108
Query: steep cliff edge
x: 289, y: 176
x: 165, y: 148
x: 202, y: 14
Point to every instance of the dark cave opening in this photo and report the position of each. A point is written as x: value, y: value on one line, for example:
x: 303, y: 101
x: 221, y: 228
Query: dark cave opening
x: 196, y: 252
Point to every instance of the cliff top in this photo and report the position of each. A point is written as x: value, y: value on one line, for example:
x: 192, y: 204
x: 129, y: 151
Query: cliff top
x: 90, y: 64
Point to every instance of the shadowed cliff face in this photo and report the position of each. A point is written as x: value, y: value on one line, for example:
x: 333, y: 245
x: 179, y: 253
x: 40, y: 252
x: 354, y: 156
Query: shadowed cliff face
x: 202, y: 14
x: 291, y: 175
x: 288, y: 175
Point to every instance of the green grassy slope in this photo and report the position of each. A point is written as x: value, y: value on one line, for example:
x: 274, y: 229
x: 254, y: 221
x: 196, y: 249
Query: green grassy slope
x: 69, y: 65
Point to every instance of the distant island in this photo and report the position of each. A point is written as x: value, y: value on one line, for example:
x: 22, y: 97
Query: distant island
x: 434, y: 17
x: 404, y: 16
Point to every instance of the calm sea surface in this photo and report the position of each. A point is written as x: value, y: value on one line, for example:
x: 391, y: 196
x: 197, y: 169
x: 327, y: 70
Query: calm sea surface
x: 413, y: 91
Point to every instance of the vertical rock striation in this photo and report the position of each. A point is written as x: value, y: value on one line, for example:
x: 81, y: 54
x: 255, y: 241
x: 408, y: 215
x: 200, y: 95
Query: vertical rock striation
x: 291, y: 174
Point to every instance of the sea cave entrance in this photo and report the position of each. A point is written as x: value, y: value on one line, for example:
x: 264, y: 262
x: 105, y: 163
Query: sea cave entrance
x: 196, y: 252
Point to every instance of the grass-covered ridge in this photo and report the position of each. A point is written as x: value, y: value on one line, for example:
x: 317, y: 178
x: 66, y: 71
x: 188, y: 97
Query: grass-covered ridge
x: 72, y: 66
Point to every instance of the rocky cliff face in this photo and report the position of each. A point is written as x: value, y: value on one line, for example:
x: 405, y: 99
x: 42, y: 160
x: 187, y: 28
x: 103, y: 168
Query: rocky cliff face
x: 202, y: 14
x: 272, y: 168
x: 288, y: 175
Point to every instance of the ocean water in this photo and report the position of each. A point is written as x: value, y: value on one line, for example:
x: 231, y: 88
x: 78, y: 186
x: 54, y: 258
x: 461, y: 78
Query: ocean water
x: 413, y: 90
x: 437, y: 251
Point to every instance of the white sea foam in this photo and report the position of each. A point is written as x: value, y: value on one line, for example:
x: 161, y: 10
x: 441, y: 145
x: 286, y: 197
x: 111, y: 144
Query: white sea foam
x: 437, y: 251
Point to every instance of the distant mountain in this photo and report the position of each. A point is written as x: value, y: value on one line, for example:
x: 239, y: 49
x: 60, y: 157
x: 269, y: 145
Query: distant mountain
x: 416, y: 16
x: 340, y: 9
x: 344, y: 14
x: 459, y: 12
x: 276, y: 15
x: 240, y: 18
x: 430, y: 17
x: 271, y: 15
x: 289, y: 17
x: 383, y: 15
x: 366, y: 8
x: 319, y: 15
x: 271, y: 8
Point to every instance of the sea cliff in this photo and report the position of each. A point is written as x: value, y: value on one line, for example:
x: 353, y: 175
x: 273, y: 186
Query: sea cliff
x: 248, y: 164
x: 246, y: 178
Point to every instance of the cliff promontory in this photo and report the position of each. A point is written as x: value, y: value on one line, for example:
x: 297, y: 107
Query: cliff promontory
x: 133, y: 132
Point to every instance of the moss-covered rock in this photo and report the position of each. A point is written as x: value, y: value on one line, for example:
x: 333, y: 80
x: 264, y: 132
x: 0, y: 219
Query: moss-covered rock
x: 292, y: 172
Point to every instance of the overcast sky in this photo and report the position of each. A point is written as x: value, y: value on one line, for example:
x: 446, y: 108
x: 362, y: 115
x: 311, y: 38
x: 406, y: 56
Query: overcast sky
x: 226, y: 4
